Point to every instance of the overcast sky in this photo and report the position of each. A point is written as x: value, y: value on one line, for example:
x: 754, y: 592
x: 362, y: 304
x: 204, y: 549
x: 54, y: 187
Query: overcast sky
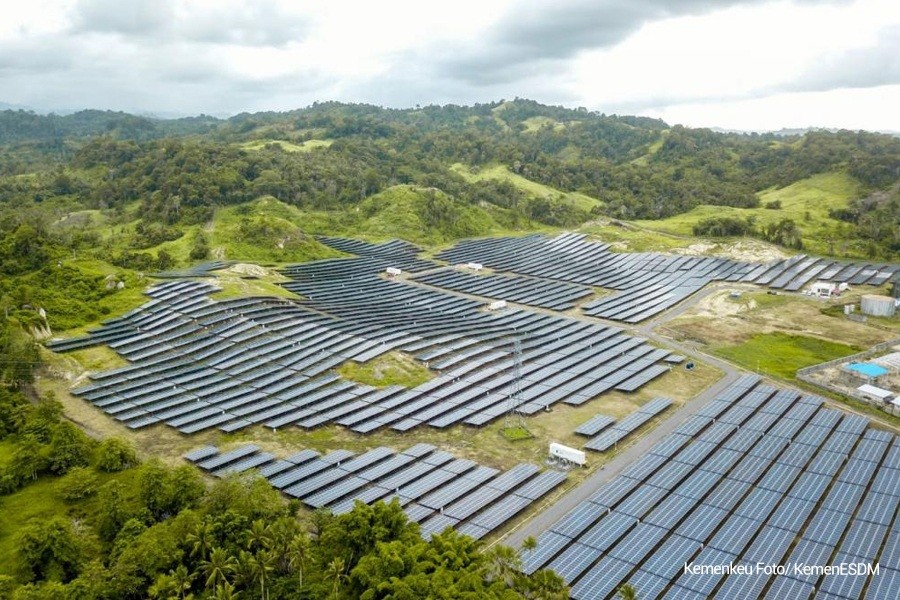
x: 728, y: 63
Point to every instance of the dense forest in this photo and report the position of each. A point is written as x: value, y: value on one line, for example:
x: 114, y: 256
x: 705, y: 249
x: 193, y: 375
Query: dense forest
x: 172, y: 174
x: 130, y: 530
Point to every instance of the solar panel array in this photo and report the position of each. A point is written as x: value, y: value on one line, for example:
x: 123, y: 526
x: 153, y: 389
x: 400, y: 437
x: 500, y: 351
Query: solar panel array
x: 595, y: 425
x: 554, y: 295
x: 435, y: 489
x: 204, y: 269
x: 758, y: 475
x: 601, y: 442
x: 648, y: 283
x: 197, y: 363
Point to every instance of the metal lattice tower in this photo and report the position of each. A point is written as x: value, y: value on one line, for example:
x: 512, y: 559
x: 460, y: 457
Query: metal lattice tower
x: 513, y: 417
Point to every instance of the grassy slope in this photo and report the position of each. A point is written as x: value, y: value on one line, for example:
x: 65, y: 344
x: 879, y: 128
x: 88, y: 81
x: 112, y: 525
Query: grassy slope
x: 306, y: 146
x: 534, y: 124
x: 632, y: 239
x: 265, y: 230
x: 810, y: 197
x: 397, y: 212
x: 539, y: 190
x: 41, y: 500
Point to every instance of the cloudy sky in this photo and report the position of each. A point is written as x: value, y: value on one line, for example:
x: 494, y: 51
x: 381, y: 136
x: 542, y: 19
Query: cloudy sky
x: 741, y: 64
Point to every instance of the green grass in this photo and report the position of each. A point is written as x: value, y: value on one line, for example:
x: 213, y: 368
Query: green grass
x: 652, y: 149
x: 306, y: 146
x: 515, y: 434
x: 806, y: 202
x: 39, y: 500
x: 781, y: 354
x: 265, y: 230
x: 538, y: 190
x: 42, y: 499
x: 393, y: 368
x: 632, y: 239
x: 534, y: 124
x: 233, y: 286
x: 6, y: 450
x: 401, y: 211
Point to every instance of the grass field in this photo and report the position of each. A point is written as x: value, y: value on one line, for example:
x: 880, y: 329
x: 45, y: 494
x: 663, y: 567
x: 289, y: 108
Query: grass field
x: 306, y: 146
x: 806, y: 202
x: 533, y: 124
x: 538, y: 190
x: 632, y: 239
x: 781, y: 354
x: 393, y: 368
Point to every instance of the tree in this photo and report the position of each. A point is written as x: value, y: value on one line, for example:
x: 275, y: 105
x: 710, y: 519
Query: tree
x: 201, y: 540
x: 28, y: 460
x: 218, y: 568
x: 627, y: 592
x: 69, y: 448
x: 258, y: 536
x: 166, y: 491
x: 80, y: 484
x: 336, y: 574
x: 115, y: 454
x: 49, y: 550
x: 261, y: 566
x: 14, y: 409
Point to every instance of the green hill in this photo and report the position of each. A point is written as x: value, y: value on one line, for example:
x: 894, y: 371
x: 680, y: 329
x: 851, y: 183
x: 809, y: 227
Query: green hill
x: 807, y: 202
x: 532, y: 188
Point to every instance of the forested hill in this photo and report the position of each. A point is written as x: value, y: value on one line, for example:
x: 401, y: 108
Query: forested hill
x: 464, y: 170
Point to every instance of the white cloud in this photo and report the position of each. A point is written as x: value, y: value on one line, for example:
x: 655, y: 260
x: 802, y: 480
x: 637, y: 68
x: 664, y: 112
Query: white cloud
x: 682, y: 58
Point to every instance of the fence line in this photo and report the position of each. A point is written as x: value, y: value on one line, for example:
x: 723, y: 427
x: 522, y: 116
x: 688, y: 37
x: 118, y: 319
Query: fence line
x: 805, y: 371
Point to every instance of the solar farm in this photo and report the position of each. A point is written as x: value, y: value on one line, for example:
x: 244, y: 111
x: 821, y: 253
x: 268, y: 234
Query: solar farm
x: 435, y: 489
x: 758, y: 474
x: 198, y: 363
x: 646, y: 284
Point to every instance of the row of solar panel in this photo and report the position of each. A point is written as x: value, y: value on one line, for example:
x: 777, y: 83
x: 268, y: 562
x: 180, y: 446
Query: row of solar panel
x: 435, y: 489
x: 514, y: 288
x: 234, y: 363
x: 649, y: 283
x: 759, y: 475
x: 612, y: 433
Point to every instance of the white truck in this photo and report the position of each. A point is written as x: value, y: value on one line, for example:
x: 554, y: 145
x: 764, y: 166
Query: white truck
x: 568, y: 454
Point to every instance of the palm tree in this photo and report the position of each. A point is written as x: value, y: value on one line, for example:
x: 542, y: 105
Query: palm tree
x: 182, y: 580
x: 262, y: 566
x: 503, y: 564
x: 298, y: 550
x: 627, y: 592
x: 201, y: 540
x: 336, y: 573
x: 258, y: 535
x: 226, y: 592
x: 219, y: 566
x: 529, y: 543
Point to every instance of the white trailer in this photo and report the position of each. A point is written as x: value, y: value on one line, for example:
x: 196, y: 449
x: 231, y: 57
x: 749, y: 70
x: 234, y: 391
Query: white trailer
x: 474, y: 266
x: 569, y: 454
x: 393, y: 271
x: 497, y: 305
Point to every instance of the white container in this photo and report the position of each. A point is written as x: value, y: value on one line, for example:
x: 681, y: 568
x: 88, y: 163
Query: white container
x: 497, y: 305
x: 474, y: 266
x: 570, y: 454
x: 393, y: 271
